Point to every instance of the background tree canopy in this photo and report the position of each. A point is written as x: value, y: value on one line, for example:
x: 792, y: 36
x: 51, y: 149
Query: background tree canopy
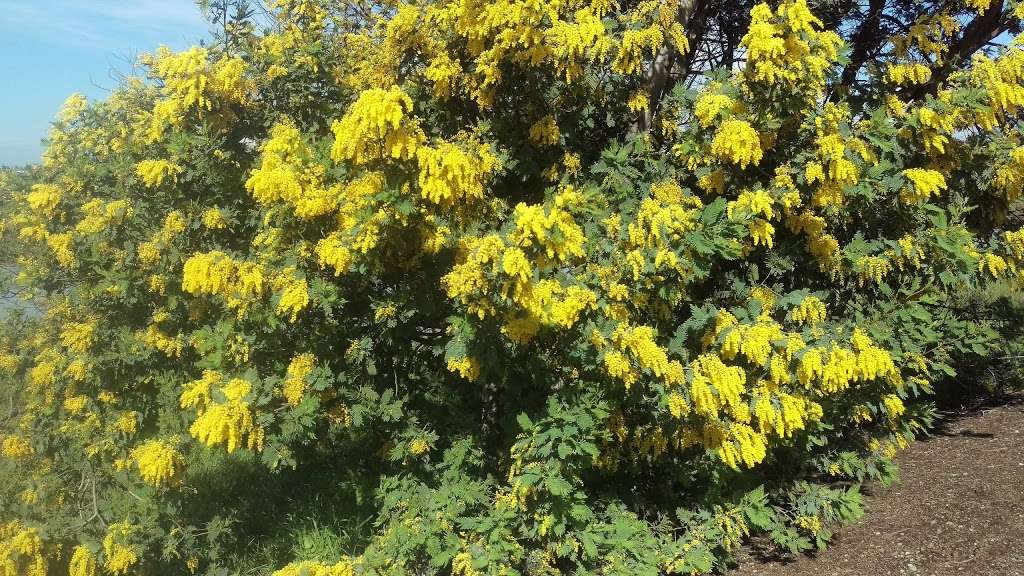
x: 501, y: 287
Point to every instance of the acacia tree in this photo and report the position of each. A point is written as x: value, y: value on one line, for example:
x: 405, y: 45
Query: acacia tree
x: 506, y: 287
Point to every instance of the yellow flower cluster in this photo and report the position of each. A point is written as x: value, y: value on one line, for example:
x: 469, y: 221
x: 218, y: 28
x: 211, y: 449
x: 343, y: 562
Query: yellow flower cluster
x: 377, y: 126
x: 1002, y: 80
x: 636, y: 45
x: 352, y: 236
x: 908, y: 73
x: 1015, y: 241
x: 554, y: 231
x: 192, y: 81
x: 736, y: 444
x: 189, y: 77
x: 294, y: 295
x: 1010, y: 174
x: 287, y: 172
x: 757, y: 202
x: 213, y: 219
x: 83, y: 562
x: 62, y: 246
x: 710, y: 105
x: 78, y: 336
x: 21, y: 551
x: 158, y: 461
x: 995, y: 264
x: 872, y: 269
x: 664, y: 218
x: 98, y: 216
x: 468, y: 282
x: 419, y: 447
x: 157, y: 339
x: 737, y: 142
x: 788, y: 47
x: 544, y: 132
x: 215, y: 273
x: 893, y: 406
x: 44, y: 198
x: 761, y: 232
x: 15, y: 448
x: 638, y: 343
x: 228, y: 422
x: 936, y: 128
x: 153, y: 172
x: 832, y: 370
x: 118, y: 553
x: 810, y: 311
x: 466, y: 367
x: 549, y: 303
x: 449, y: 175
x: 925, y: 184
x: 345, y: 567
x: 294, y: 386
x: 72, y: 108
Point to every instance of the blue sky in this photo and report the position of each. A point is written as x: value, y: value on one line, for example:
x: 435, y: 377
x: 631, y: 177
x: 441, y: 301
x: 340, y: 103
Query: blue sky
x: 50, y: 49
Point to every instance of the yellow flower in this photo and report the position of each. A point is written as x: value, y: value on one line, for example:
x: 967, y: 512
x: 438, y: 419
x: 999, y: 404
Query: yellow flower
x: 15, y: 448
x: 294, y: 297
x: 709, y: 106
x: 419, y: 447
x: 912, y: 73
x: 617, y: 365
x: 466, y: 367
x: 225, y: 423
x: 213, y: 219
x: 153, y: 172
x: 21, y: 551
x: 77, y: 336
x: 448, y: 174
x: 995, y: 264
x: 554, y: 230
x: 515, y: 265
x: 377, y: 126
x: 738, y: 143
x: 44, y: 198
x: 158, y: 462
x: 761, y: 232
x: 677, y: 405
x: 83, y: 562
x: 118, y: 552
x: 810, y: 311
x: 149, y: 253
x: 294, y: 386
x: 75, y: 404
x: 63, y: 249
x: 925, y: 184
x: 893, y: 406
x: 544, y: 132
x: 73, y: 107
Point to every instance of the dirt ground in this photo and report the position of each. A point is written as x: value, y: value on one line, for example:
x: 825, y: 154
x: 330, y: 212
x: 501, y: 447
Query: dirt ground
x: 958, y: 508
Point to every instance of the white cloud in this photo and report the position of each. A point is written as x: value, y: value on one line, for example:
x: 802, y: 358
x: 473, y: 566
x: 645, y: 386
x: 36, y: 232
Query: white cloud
x: 156, y: 13
x: 102, y: 23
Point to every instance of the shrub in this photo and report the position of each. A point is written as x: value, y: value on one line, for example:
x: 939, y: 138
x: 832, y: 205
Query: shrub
x: 500, y: 287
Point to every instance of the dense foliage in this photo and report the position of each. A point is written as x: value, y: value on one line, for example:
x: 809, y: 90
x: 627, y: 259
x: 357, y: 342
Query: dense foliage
x: 500, y: 287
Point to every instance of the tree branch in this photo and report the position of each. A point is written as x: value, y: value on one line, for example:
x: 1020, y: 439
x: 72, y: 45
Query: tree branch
x: 863, y: 40
x: 982, y: 30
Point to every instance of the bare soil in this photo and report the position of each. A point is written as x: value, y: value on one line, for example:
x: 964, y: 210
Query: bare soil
x: 958, y: 508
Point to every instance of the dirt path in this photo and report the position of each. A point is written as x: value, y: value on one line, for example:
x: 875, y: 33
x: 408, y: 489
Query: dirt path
x: 957, y: 510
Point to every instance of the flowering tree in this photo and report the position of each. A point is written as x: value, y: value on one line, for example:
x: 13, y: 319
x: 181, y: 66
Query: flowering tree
x: 506, y: 287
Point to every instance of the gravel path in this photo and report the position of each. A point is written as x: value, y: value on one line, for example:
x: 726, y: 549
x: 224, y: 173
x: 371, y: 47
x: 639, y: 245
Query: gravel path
x: 958, y: 509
